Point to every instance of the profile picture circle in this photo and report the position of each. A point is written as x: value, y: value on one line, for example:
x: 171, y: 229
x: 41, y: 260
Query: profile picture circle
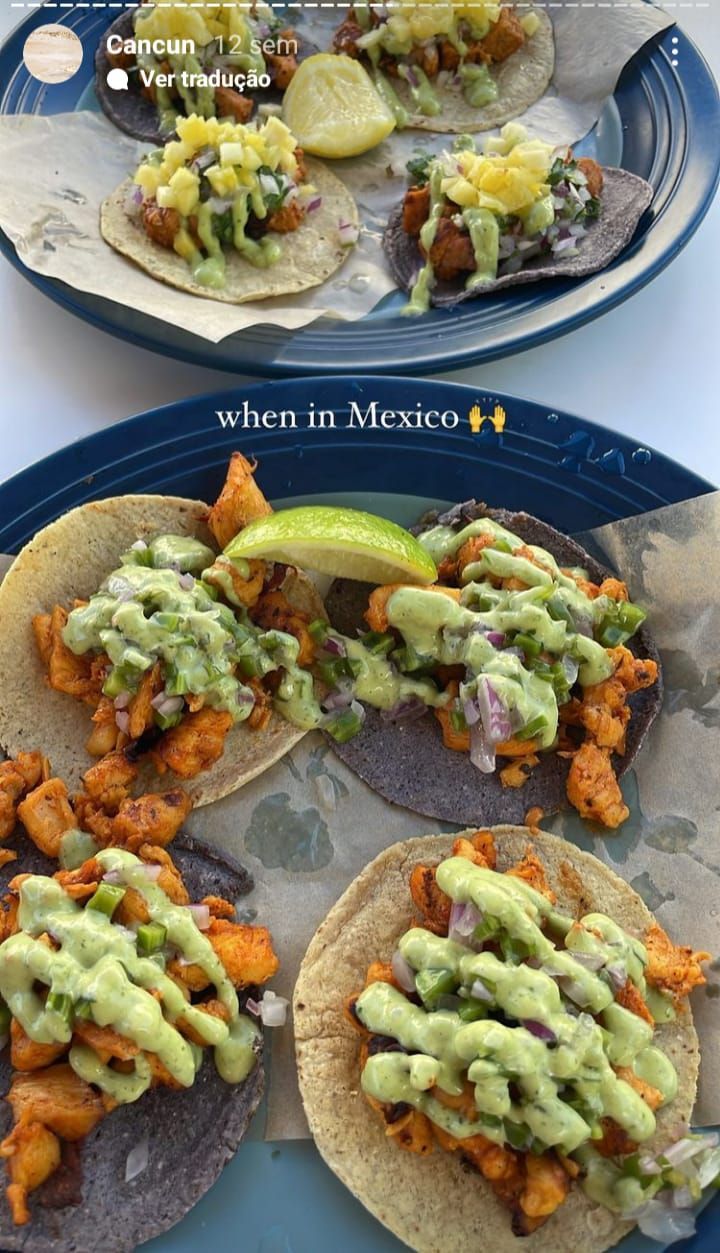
x: 52, y: 53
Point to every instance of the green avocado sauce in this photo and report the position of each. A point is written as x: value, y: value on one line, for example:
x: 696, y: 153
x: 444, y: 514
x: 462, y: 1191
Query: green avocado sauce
x: 161, y: 605
x: 97, y: 966
x: 541, y: 1091
x: 523, y: 642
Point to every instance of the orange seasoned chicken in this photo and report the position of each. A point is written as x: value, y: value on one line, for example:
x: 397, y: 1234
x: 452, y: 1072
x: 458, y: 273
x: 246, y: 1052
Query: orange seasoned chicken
x: 46, y: 815
x: 32, y: 1154
x: 593, y: 789
x: 27, y: 1054
x: 673, y: 968
x: 57, y: 1098
x: 154, y: 818
x: 239, y: 502
x: 246, y: 953
x: 194, y: 745
x: 16, y: 779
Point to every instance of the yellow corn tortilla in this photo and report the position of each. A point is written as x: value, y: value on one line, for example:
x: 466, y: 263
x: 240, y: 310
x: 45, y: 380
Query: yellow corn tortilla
x: 309, y: 255
x: 521, y: 79
x: 433, y: 1202
x: 69, y: 559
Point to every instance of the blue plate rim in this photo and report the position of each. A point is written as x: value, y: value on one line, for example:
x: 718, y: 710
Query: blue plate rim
x: 699, y: 95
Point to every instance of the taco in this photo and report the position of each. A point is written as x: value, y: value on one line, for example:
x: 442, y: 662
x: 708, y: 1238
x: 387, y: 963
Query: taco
x: 233, y: 213
x: 121, y: 967
x: 450, y: 66
x: 519, y: 211
x: 520, y: 1062
x: 522, y: 680
x: 181, y: 662
x: 215, y: 60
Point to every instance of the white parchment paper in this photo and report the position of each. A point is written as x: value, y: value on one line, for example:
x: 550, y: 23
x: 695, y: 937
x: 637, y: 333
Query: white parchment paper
x: 59, y: 169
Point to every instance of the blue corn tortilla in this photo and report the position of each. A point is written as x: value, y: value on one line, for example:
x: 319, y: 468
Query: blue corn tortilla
x: 131, y: 111
x: 625, y: 199
x: 87, y: 1205
x: 407, y: 762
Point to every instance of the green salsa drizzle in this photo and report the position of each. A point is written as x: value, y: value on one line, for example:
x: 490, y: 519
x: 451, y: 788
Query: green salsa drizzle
x: 548, y: 1087
x: 552, y: 617
x: 97, y: 966
x: 161, y: 605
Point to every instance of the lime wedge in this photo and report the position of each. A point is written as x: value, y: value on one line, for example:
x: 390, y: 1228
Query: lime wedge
x: 334, y: 109
x: 344, y: 543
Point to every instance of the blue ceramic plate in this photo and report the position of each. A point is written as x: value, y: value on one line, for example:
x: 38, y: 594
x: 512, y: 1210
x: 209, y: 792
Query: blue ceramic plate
x: 280, y: 1198
x: 662, y: 123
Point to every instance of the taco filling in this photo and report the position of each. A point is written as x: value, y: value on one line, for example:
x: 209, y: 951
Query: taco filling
x: 478, y: 216
x: 113, y: 980
x: 515, y: 656
x: 432, y: 47
x: 186, y: 59
x: 179, y: 644
x: 220, y: 188
x: 524, y: 1040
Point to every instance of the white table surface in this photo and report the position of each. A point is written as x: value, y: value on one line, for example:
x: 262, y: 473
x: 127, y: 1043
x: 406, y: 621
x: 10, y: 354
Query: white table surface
x: 648, y: 369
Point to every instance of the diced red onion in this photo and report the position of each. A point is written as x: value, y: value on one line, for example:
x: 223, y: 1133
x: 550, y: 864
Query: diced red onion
x: 407, y: 710
x: 659, y: 1222
x: 709, y: 1169
x: 539, y: 1030
x: 513, y: 651
x: 480, y: 992
x: 139, y: 546
x: 463, y: 921
x: 337, y: 700
x: 412, y: 77
x: 358, y: 710
x: 137, y: 1160
x: 122, y: 721
x: 618, y: 976
x: 496, y: 638
x: 149, y: 870
x: 334, y: 646
x: 570, y: 669
x: 220, y: 204
x: 573, y: 989
x: 403, y: 972
x: 591, y: 961
x: 133, y: 201
x: 482, y: 754
x: 201, y: 916
x: 166, y: 705
x: 349, y: 233
x: 253, y: 1007
x: 122, y: 700
x: 314, y: 204
x: 682, y: 1198
x: 113, y: 876
x: 648, y: 1165
x: 493, y: 712
x: 245, y: 696
x: 583, y: 626
x: 186, y: 581
x: 273, y: 1010
x: 563, y: 245
x: 687, y: 1148
x: 268, y: 184
x: 471, y: 711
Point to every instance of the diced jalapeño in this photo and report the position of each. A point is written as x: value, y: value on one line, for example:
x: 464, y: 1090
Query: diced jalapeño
x: 106, y: 899
x: 432, y: 984
x: 150, y: 937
